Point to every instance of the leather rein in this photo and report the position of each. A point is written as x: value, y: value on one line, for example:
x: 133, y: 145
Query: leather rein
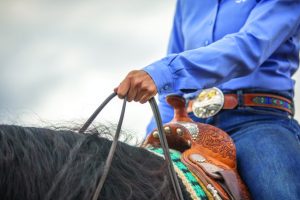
x: 162, y: 138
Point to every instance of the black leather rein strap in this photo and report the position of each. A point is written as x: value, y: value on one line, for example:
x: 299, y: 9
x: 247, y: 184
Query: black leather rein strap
x: 114, y: 142
x: 162, y: 138
x: 96, y: 113
x: 165, y: 147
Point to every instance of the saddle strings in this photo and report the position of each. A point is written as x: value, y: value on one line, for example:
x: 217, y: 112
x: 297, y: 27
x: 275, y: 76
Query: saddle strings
x: 162, y: 137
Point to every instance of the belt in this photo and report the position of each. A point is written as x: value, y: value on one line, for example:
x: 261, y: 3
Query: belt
x: 232, y: 101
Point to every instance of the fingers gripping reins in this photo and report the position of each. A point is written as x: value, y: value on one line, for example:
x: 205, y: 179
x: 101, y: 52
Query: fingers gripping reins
x: 162, y: 137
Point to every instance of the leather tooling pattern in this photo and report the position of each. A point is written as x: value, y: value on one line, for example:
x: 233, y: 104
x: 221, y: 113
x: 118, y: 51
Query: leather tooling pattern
x: 216, y: 141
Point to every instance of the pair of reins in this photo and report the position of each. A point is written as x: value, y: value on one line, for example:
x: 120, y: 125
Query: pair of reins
x: 162, y: 138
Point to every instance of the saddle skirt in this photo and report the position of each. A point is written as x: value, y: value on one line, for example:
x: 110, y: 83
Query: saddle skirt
x: 208, y: 152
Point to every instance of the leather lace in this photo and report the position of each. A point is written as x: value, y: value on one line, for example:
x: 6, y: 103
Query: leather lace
x: 162, y: 137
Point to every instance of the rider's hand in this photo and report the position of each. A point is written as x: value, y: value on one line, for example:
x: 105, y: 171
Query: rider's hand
x: 137, y: 86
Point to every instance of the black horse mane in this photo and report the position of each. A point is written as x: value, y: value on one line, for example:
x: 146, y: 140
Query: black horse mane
x: 39, y: 163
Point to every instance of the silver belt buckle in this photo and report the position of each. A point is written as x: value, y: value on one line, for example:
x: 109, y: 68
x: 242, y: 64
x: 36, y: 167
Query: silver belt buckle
x: 208, y: 103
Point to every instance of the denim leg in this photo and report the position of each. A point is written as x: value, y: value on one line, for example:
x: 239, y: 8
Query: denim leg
x: 268, y: 155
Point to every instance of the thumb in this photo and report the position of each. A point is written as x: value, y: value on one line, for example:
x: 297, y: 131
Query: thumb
x: 116, y: 89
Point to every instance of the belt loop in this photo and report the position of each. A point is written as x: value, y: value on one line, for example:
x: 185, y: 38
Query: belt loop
x: 240, y: 98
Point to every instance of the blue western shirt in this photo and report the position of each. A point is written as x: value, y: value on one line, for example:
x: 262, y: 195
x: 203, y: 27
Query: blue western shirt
x: 230, y: 44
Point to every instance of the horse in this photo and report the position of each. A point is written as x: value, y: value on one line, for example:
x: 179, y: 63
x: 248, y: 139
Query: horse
x: 41, y: 163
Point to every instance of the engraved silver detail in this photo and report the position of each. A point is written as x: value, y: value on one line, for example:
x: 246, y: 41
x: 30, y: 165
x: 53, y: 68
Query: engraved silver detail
x: 197, y: 158
x: 191, y: 127
x: 208, y: 103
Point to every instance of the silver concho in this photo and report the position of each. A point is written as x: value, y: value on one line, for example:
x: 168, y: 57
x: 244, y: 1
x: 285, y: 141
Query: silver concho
x: 191, y: 127
x: 208, y: 103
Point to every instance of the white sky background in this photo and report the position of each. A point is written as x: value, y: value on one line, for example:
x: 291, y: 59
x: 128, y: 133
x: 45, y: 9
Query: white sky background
x: 59, y: 59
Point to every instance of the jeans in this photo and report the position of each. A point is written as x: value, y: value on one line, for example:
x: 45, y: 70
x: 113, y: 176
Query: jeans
x: 268, y: 150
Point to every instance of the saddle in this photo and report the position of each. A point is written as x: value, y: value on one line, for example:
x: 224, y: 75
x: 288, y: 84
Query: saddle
x: 207, y: 151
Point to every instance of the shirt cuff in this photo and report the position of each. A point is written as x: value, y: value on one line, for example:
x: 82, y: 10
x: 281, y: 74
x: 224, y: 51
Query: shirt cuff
x: 161, y: 74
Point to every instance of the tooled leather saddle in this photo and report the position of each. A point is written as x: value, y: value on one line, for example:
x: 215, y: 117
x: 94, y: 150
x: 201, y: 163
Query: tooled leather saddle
x: 207, y: 151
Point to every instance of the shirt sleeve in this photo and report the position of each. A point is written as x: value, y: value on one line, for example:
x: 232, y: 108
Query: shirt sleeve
x: 175, y: 46
x: 269, y: 24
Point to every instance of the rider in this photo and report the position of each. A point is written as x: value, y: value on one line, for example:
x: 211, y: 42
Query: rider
x: 242, y: 47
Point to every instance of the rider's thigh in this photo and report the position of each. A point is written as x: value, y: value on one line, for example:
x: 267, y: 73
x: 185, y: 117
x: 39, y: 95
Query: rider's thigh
x: 268, y: 156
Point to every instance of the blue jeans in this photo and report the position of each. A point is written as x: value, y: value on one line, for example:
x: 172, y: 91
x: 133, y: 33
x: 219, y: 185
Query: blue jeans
x: 268, y: 150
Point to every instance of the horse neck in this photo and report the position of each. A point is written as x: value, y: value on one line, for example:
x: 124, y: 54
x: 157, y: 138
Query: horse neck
x: 66, y: 165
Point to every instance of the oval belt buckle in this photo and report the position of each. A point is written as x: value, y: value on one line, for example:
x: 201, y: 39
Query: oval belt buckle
x: 208, y: 103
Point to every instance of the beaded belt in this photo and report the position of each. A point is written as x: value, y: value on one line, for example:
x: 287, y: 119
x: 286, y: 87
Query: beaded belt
x: 210, y: 101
